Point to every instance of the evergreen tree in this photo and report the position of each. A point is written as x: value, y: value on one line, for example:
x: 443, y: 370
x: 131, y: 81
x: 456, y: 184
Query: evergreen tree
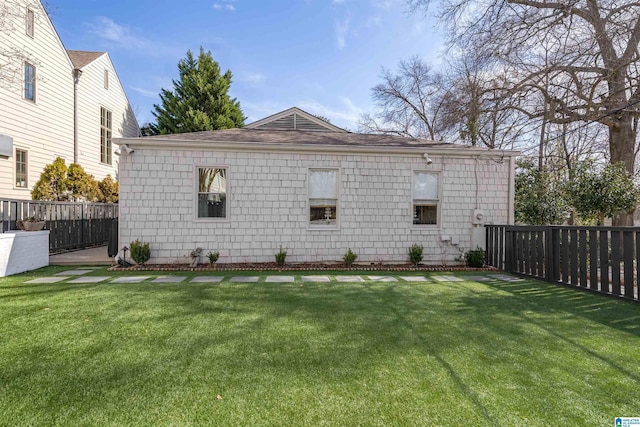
x: 108, y: 190
x: 200, y: 99
x: 52, y: 184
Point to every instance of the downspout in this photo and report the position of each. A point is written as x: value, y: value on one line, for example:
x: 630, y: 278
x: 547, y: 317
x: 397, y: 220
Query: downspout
x: 76, y: 80
x: 512, y: 190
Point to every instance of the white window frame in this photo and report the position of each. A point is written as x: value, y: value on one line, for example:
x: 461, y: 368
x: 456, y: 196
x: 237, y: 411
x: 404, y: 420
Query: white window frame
x: 30, y: 22
x: 335, y: 226
x: 106, y: 137
x: 196, y: 192
x: 15, y: 165
x: 426, y: 202
x: 106, y: 79
x: 32, y: 82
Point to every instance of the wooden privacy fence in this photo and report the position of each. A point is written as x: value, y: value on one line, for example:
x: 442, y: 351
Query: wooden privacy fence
x: 600, y: 259
x: 71, y: 225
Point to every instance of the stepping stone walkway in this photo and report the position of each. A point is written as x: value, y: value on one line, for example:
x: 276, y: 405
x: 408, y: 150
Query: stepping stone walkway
x: 206, y: 279
x: 414, y: 278
x: 279, y: 279
x: 245, y: 279
x: 447, y: 279
x: 76, y: 276
x: 48, y: 279
x: 90, y: 279
x: 130, y: 279
x: 73, y: 272
x: 506, y: 278
x: 316, y: 279
x: 383, y: 278
x: 345, y: 279
x: 479, y: 278
x: 169, y: 279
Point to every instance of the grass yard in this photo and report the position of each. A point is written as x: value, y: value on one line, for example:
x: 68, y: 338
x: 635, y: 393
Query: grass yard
x: 466, y: 353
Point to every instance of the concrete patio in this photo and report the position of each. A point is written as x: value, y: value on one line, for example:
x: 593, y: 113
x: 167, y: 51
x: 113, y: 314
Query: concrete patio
x: 91, y: 256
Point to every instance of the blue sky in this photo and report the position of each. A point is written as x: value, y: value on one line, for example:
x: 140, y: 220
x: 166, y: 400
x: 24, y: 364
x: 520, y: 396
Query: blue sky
x: 323, y: 56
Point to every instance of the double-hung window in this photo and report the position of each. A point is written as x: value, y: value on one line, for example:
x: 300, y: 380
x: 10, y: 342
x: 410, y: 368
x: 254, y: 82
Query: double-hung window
x: 323, y: 197
x: 30, y: 23
x: 29, y: 81
x: 21, y: 169
x: 105, y: 136
x: 426, y: 198
x: 212, y: 192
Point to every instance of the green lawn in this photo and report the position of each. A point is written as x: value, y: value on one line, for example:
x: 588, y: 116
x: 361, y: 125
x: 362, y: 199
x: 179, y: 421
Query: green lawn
x: 306, y: 354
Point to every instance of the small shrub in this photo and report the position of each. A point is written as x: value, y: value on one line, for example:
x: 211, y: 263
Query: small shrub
x: 415, y: 254
x: 140, y: 252
x: 475, y: 257
x: 213, y: 257
x: 349, y: 258
x: 280, y: 257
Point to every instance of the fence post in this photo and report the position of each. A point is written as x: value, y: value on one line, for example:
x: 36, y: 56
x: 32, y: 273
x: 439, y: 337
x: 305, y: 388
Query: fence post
x: 509, y: 249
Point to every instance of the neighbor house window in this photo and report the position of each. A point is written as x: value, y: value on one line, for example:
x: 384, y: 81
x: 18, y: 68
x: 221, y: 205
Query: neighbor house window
x: 21, y: 169
x: 30, y: 22
x: 426, y: 190
x: 105, y: 136
x: 323, y: 197
x: 212, y: 192
x: 29, y: 82
x: 106, y: 79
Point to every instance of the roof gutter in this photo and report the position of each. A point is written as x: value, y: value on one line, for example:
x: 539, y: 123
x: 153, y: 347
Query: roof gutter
x: 158, y: 144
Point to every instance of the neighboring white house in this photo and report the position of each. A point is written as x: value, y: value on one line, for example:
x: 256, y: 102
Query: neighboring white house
x: 315, y: 192
x: 54, y: 102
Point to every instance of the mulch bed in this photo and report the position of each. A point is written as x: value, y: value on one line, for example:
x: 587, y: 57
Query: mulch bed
x: 309, y: 266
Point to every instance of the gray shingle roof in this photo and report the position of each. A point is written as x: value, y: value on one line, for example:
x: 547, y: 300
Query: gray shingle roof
x: 81, y: 58
x: 298, y: 137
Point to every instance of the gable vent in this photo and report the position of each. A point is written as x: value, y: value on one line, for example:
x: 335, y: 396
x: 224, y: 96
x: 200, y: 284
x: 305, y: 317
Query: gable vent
x: 292, y: 121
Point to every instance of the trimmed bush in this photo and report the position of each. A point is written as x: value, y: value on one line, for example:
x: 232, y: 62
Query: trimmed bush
x: 213, y: 257
x: 349, y: 258
x: 415, y: 254
x: 281, y: 256
x: 140, y: 252
x: 475, y: 257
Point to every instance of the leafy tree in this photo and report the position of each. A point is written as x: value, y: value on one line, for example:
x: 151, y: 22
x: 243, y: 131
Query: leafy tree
x: 52, y: 184
x: 80, y: 185
x: 538, y: 200
x: 61, y: 183
x: 200, y: 99
x: 598, y: 193
x: 108, y: 190
x: 566, y: 61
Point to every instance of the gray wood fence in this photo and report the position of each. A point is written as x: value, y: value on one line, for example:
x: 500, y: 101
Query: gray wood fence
x: 598, y: 259
x: 71, y: 225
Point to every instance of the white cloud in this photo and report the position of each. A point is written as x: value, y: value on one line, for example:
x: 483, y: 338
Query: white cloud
x: 145, y: 92
x: 225, y: 5
x: 347, y: 116
x: 116, y: 34
x: 342, y: 30
x: 254, y: 78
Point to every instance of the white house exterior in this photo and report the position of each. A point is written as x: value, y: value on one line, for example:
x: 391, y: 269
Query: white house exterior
x: 39, y: 119
x: 100, y: 96
x: 315, y: 193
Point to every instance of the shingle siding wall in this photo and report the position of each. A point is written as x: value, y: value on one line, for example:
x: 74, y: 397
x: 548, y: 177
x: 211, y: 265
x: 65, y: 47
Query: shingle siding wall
x: 268, y: 200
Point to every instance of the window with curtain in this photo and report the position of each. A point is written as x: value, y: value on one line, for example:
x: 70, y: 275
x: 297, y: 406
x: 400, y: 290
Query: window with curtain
x: 212, y: 192
x: 323, y: 197
x: 426, y: 191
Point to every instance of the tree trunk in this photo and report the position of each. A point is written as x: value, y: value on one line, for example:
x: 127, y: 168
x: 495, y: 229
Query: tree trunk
x: 621, y: 149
